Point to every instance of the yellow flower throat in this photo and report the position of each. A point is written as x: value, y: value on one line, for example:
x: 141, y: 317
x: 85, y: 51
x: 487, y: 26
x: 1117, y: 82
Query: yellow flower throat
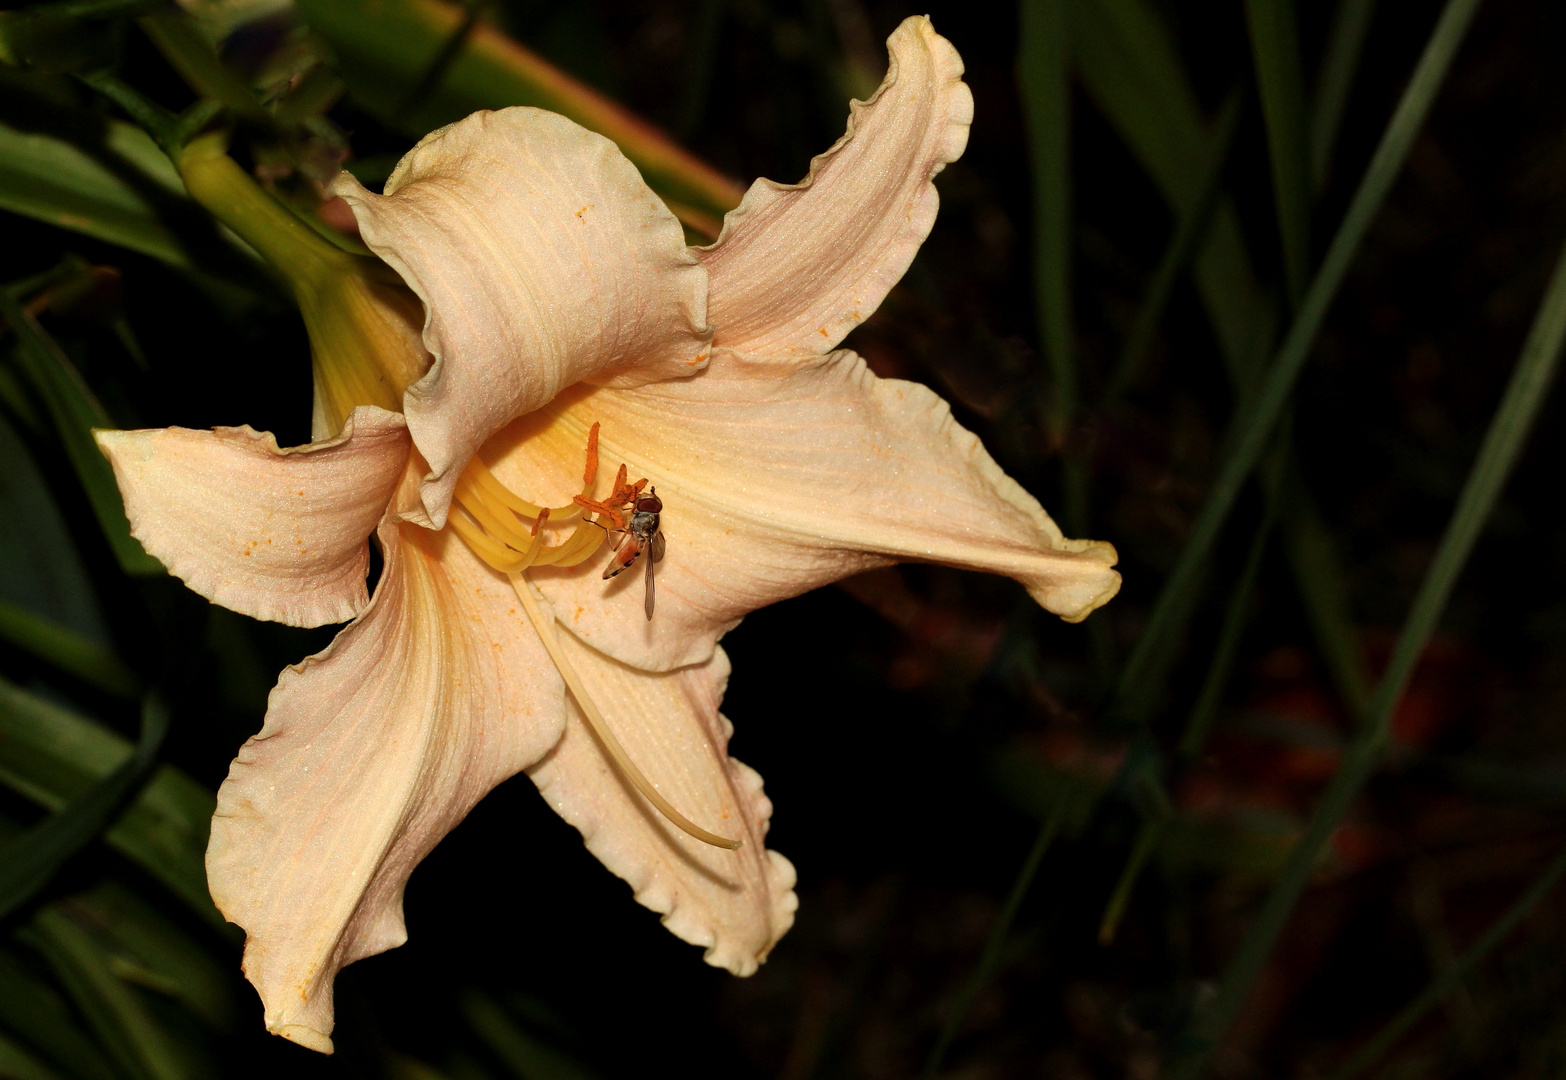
x: 507, y: 533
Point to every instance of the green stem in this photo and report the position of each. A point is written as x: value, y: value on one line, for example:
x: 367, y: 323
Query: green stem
x: 1503, y: 442
x: 1041, y: 73
x: 1345, y: 43
x: 990, y: 957
x: 1190, y: 232
x: 1448, y: 981
x: 1197, y: 726
x: 182, y: 44
x: 1200, y: 722
x: 1143, y: 676
x: 1281, y: 83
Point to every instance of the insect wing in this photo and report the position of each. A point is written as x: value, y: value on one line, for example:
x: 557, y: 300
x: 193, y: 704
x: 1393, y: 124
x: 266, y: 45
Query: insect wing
x: 623, y: 558
x: 654, y: 555
x: 657, y: 547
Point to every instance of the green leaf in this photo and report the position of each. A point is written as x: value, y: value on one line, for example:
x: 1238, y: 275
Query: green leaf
x: 1130, y: 67
x: 1524, y: 396
x: 384, y: 48
x: 28, y: 862
x: 40, y: 569
x: 52, y: 756
x: 527, y: 1056
x: 148, y: 949
x: 1345, y: 43
x: 1255, y: 422
x: 36, y: 1013
x: 76, y: 412
x: 989, y: 958
x: 17, y: 1064
x: 1190, y: 233
x: 1046, y: 99
x: 1449, y: 979
x: 1041, y: 71
x: 115, y: 1011
x: 67, y: 650
x: 179, y: 38
x: 1275, y: 49
x: 53, y: 181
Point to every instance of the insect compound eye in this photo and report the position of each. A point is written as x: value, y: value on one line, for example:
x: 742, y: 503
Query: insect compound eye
x: 649, y: 505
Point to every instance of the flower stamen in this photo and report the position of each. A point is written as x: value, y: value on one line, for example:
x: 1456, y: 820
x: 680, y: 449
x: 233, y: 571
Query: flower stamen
x: 544, y: 624
x: 493, y: 522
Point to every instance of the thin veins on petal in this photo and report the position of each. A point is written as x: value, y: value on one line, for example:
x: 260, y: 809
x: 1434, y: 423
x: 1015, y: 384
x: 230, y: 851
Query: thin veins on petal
x: 494, y: 523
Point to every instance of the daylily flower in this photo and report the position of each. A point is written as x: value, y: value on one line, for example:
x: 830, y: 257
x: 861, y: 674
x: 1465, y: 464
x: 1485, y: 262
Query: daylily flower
x: 567, y: 321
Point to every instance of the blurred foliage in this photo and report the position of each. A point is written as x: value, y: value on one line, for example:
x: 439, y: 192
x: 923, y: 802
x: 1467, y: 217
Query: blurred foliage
x: 1261, y: 293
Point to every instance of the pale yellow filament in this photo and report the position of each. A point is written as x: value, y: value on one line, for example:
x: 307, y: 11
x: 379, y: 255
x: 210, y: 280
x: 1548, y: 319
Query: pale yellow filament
x: 488, y: 518
x: 544, y: 624
x: 498, y: 556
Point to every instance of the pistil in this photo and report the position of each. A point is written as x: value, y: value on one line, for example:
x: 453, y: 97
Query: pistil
x: 493, y: 521
x: 544, y: 624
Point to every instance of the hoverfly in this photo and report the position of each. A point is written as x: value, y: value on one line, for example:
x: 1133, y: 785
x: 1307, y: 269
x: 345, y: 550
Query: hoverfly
x: 641, y: 535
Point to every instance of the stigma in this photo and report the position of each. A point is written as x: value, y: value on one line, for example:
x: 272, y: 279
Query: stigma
x: 508, y: 533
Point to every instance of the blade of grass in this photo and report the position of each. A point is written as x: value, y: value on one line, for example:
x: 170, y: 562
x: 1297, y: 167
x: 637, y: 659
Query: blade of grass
x: 1280, y: 81
x: 67, y: 650
x: 40, y: 569
x: 385, y: 45
x: 1130, y: 67
x: 1197, y: 724
x: 1190, y: 233
x: 76, y: 412
x: 430, y: 81
x: 17, y: 1064
x: 115, y: 1011
x: 151, y: 949
x: 1340, y: 63
x: 1143, y: 675
x: 1041, y: 74
x: 28, y: 862
x: 180, y: 40
x: 47, y: 179
x: 1449, y: 979
x: 1503, y: 442
x: 1324, y: 593
x: 526, y: 1055
x: 53, y: 755
x: 37, y: 1013
x: 995, y: 942
x: 707, y: 25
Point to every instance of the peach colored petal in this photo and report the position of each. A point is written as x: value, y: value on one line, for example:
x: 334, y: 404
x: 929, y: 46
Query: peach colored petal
x: 798, y: 266
x: 543, y: 260
x: 372, y: 751
x: 734, y: 904
x: 778, y: 476
x: 275, y: 534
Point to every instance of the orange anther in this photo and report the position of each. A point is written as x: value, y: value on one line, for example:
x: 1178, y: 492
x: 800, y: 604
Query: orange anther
x: 543, y: 516
x: 591, y: 472
x: 606, y: 509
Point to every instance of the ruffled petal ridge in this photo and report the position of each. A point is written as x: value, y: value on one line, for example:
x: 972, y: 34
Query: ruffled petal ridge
x: 543, y: 260
x: 274, y: 534
x: 800, y: 265
x: 733, y: 904
x: 779, y: 476
x: 371, y: 752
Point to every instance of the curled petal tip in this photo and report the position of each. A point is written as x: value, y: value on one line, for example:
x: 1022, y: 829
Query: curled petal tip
x: 307, y: 1037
